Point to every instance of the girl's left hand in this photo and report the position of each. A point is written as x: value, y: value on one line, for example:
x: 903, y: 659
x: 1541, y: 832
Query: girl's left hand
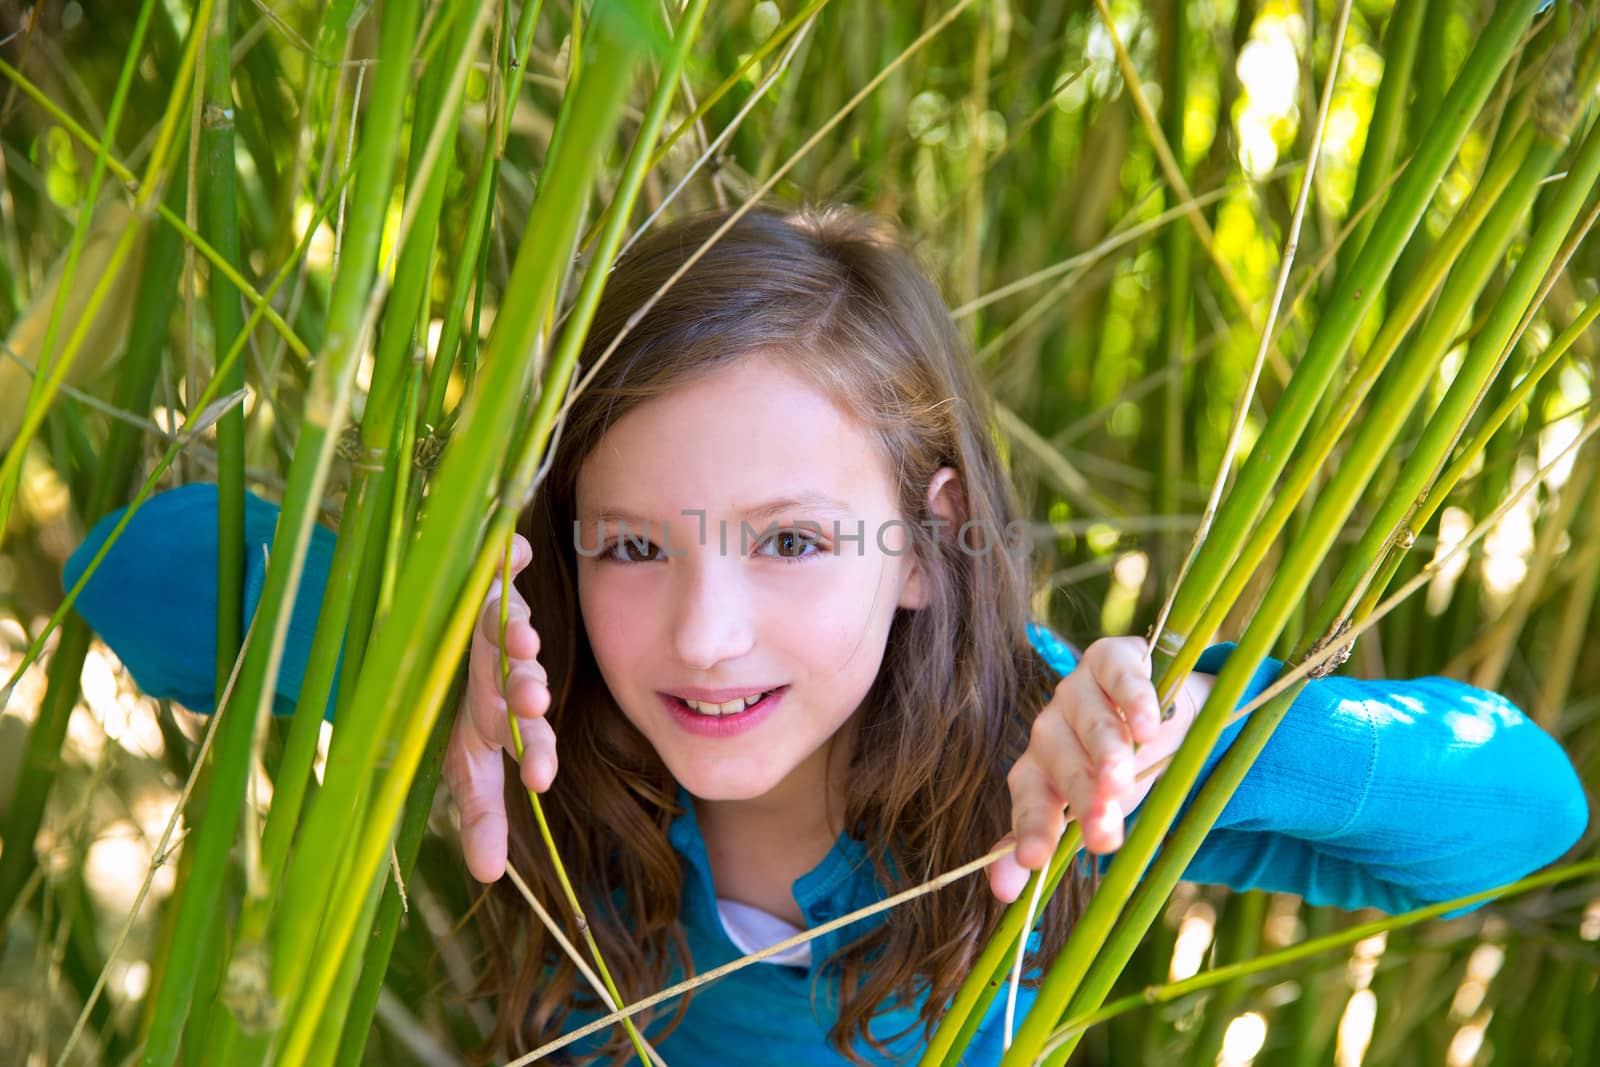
x: 1081, y: 756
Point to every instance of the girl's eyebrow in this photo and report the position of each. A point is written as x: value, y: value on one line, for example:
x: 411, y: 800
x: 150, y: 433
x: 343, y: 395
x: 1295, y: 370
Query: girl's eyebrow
x: 808, y: 499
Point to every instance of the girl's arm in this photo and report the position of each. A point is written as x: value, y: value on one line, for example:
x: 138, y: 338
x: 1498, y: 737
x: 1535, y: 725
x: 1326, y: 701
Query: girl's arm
x: 1385, y: 794
x: 153, y: 598
x: 1391, y: 794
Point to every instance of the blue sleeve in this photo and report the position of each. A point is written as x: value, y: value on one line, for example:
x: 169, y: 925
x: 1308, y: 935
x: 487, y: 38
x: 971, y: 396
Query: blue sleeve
x: 1385, y: 794
x: 1393, y: 795
x: 153, y: 599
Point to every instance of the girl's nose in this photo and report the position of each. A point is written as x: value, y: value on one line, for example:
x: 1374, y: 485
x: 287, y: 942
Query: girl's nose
x: 712, y: 622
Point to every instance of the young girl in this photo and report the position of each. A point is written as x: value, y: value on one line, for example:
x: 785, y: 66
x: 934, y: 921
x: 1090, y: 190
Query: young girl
x: 772, y: 661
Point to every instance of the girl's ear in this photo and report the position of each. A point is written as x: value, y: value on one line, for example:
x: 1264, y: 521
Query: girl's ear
x: 947, y: 500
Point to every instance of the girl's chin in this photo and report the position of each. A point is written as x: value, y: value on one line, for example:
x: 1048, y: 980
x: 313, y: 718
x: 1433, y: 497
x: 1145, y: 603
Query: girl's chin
x: 722, y: 788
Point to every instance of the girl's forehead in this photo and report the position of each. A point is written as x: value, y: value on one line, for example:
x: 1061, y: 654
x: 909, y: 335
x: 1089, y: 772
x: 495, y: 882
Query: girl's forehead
x: 749, y: 433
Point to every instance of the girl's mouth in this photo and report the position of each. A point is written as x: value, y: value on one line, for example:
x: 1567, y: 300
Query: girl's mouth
x: 714, y: 721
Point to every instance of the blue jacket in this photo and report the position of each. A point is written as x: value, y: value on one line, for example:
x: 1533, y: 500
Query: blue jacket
x: 1382, y: 794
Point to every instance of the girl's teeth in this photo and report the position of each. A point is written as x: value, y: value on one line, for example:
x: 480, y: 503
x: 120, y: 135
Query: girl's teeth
x: 731, y: 707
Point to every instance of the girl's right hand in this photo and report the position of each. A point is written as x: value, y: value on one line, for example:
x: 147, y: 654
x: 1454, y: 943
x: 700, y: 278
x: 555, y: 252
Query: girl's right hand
x: 473, y: 768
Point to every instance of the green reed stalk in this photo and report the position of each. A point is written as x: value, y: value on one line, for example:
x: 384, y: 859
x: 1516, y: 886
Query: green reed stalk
x: 1482, y: 361
x: 380, y: 416
x: 413, y: 824
x: 541, y: 424
x: 326, y: 401
x: 1482, y: 246
x: 141, y: 363
x: 1382, y: 145
x: 1352, y: 299
x: 479, y: 216
x: 167, y: 214
x: 227, y: 321
x: 359, y: 554
x: 1404, y: 385
x: 52, y: 365
x: 1171, y: 991
x: 1084, y: 948
x: 431, y: 578
x: 988, y: 973
x: 1172, y: 342
x: 1484, y: 233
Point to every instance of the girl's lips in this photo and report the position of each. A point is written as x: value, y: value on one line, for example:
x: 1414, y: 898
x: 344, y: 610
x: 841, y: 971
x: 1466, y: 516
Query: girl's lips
x: 724, y: 725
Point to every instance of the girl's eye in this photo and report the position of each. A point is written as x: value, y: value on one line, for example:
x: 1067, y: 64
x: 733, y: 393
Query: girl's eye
x: 626, y: 551
x: 792, y: 545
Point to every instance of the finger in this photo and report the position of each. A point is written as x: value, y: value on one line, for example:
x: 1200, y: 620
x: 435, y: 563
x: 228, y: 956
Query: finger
x: 521, y: 554
x: 1056, y: 746
x: 476, y: 777
x: 1105, y: 747
x: 521, y: 639
x: 516, y: 611
x: 1007, y: 877
x: 526, y: 689
x: 485, y: 703
x: 538, y: 753
x: 1121, y: 668
x: 1037, y: 818
x: 1093, y: 798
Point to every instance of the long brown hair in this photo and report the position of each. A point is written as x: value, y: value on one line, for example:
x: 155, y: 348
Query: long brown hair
x: 835, y: 294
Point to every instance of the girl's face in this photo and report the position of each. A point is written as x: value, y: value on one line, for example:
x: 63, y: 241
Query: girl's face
x: 719, y: 558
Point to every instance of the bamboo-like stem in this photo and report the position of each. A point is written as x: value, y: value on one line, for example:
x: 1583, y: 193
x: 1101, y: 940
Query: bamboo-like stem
x: 164, y: 211
x: 1242, y: 408
x: 1167, y: 435
x: 43, y: 388
x: 331, y: 1025
x: 452, y: 350
x: 384, y: 420
x: 325, y: 411
x: 141, y: 363
x: 1483, y: 360
x: 1066, y: 976
x: 966, y: 1010
x: 431, y: 579
x: 222, y: 230
x: 1348, y: 305
x: 382, y: 409
x: 1164, y: 994
x: 1382, y: 147
x: 1174, y: 172
x: 1265, y: 711
x: 446, y: 356
x: 1470, y: 251
x: 408, y: 842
